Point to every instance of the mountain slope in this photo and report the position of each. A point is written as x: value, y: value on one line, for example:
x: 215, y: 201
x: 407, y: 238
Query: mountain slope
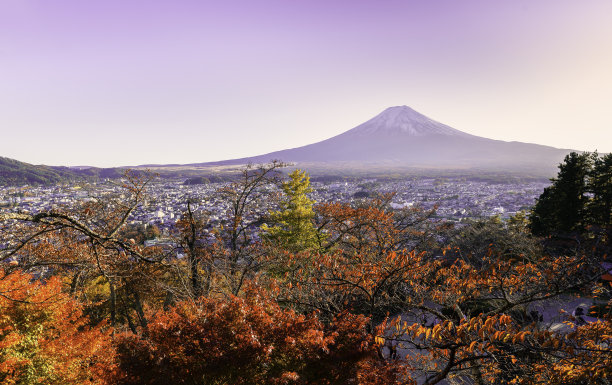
x: 14, y: 172
x: 401, y: 137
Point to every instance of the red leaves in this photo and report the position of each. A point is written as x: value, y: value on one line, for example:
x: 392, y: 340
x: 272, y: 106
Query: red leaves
x: 241, y: 341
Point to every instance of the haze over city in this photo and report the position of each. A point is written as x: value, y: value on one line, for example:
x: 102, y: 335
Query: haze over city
x: 111, y: 83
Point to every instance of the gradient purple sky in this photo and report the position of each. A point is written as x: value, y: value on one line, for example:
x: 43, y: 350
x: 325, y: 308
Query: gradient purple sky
x: 118, y: 82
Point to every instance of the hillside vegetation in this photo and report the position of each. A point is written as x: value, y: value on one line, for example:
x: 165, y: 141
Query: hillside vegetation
x: 15, y: 173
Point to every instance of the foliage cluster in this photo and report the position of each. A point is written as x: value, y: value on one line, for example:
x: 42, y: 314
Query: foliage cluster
x: 45, y: 338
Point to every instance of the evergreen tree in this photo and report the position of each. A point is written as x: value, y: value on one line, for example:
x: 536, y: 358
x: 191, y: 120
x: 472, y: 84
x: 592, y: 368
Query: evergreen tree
x: 562, y: 206
x: 542, y: 215
x: 292, y: 226
x: 600, y: 186
x: 578, y: 199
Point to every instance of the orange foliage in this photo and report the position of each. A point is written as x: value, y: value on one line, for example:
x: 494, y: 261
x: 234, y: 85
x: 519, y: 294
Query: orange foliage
x: 252, y: 341
x: 479, y: 327
x: 372, y: 227
x: 44, y: 338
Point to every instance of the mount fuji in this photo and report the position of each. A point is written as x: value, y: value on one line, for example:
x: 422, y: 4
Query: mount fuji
x: 400, y: 137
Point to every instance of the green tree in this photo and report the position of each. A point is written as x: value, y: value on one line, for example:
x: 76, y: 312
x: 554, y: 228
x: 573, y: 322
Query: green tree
x: 292, y: 227
x: 562, y: 206
x: 600, y: 186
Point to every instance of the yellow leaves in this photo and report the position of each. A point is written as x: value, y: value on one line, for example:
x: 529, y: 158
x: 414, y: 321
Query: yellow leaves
x: 450, y: 326
x: 379, y: 340
x: 435, y: 333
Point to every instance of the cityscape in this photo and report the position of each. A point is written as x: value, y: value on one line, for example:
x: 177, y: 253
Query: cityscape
x: 455, y: 200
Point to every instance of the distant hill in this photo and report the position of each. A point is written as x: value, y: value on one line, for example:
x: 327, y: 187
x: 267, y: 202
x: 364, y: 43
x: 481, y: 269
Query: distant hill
x: 400, y: 138
x: 14, y: 172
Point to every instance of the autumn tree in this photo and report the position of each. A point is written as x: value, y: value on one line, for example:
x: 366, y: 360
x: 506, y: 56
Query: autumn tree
x: 454, y: 317
x: 372, y: 226
x: 359, y: 283
x: 583, y: 356
x: 246, y: 200
x: 467, y: 321
x: 87, y: 245
x: 250, y: 341
x: 44, y: 337
x: 369, y: 253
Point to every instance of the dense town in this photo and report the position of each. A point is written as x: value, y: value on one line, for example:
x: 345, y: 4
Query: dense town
x: 455, y: 199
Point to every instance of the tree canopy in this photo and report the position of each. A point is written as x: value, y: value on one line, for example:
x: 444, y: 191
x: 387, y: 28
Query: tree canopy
x: 292, y: 226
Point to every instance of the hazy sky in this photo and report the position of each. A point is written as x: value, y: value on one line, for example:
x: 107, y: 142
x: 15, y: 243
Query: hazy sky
x: 127, y: 82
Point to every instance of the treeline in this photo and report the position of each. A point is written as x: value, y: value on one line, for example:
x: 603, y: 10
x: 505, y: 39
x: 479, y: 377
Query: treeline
x: 300, y: 293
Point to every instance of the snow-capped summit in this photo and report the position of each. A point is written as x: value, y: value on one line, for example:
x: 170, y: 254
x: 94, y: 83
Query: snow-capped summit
x: 403, y: 120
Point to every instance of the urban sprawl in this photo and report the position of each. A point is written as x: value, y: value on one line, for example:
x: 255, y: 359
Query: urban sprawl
x: 455, y: 199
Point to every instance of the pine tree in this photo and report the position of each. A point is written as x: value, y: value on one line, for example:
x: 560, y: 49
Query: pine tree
x: 600, y: 186
x: 580, y: 197
x: 562, y: 206
x: 292, y: 226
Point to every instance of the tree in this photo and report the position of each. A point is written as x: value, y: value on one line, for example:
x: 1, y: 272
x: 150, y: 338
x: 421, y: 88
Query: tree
x: 463, y: 320
x: 250, y: 341
x: 562, y: 206
x: 507, y: 239
x: 371, y: 226
x: 246, y: 200
x: 44, y: 337
x: 369, y: 252
x: 88, y: 243
x: 292, y: 226
x: 191, y: 239
x: 600, y: 186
